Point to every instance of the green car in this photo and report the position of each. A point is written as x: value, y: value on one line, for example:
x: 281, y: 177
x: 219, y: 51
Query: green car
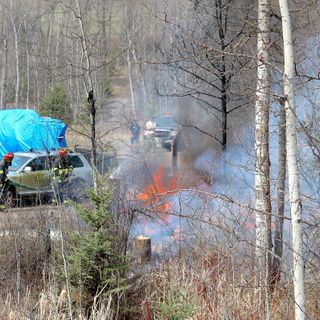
x: 30, y: 175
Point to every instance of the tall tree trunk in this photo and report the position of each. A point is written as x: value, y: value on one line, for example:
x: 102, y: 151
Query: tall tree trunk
x: 141, y: 81
x: 223, y: 78
x: 128, y: 34
x: 224, y: 113
x: 16, y: 50
x: 28, y: 77
x: 293, y: 171
x: 262, y: 161
x: 78, y: 91
x: 90, y: 94
x: 48, y: 53
x: 37, y: 84
x: 130, y: 79
x: 58, y: 34
x: 3, y: 72
x: 278, y: 237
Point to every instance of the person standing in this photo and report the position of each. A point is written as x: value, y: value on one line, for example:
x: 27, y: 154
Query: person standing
x: 135, y: 131
x: 62, y: 169
x: 150, y: 125
x: 5, y: 163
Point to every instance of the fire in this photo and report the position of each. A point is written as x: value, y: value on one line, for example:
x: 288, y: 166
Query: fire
x: 158, y: 189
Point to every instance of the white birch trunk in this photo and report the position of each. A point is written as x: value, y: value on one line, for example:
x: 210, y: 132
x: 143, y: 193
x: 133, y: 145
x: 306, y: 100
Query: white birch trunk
x: 50, y: 36
x: 88, y: 77
x: 89, y: 87
x: 58, y: 33
x: 3, y: 72
x: 28, y: 77
x: 16, y: 50
x: 37, y: 93
x: 141, y: 81
x: 130, y: 80
x: 78, y: 91
x: 49, y: 66
x: 278, y: 237
x: 262, y: 163
x: 293, y: 171
x: 128, y: 57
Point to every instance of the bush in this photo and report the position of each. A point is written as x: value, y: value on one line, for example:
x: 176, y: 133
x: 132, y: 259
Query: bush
x: 56, y: 103
x: 176, y: 306
x: 95, y: 265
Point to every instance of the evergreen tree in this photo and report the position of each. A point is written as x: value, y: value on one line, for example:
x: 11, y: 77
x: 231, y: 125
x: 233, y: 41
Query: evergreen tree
x: 56, y: 103
x: 96, y: 264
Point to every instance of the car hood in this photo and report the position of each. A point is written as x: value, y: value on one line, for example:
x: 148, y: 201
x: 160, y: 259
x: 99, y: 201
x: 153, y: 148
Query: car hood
x: 12, y: 173
x: 165, y: 129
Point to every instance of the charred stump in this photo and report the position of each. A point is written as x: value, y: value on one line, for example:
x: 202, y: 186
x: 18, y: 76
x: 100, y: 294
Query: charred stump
x: 143, y: 250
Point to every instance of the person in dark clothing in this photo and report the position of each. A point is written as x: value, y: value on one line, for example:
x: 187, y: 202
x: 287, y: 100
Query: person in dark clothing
x: 5, y: 163
x: 62, y: 169
x: 135, y: 132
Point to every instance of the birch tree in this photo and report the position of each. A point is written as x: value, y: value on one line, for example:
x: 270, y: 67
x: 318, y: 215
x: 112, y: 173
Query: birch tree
x: 4, y: 57
x: 293, y: 171
x: 278, y: 237
x: 90, y: 92
x: 262, y: 161
x: 16, y: 19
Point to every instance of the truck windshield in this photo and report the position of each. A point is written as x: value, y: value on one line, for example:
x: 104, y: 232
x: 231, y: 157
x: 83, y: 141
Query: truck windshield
x: 18, y: 162
x: 166, y: 122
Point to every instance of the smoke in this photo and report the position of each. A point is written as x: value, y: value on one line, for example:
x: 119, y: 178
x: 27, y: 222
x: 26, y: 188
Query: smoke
x: 197, y: 131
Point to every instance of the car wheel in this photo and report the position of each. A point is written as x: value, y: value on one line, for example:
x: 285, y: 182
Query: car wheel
x: 10, y: 199
x: 41, y: 199
x: 76, y: 191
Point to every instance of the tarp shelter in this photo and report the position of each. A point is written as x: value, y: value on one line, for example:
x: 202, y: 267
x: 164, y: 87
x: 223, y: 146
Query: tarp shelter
x: 23, y: 130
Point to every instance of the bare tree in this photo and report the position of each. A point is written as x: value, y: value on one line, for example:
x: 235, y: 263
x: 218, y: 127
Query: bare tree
x: 206, y: 59
x: 87, y: 76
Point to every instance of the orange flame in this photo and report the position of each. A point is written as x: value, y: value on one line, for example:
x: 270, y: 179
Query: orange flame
x: 157, y: 190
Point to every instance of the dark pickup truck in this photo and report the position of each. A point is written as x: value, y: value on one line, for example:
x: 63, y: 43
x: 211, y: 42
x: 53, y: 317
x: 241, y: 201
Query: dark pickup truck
x: 166, y: 128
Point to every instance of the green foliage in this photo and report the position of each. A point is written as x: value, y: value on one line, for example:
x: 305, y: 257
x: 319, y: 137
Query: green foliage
x: 175, y: 306
x: 56, y: 103
x: 94, y: 262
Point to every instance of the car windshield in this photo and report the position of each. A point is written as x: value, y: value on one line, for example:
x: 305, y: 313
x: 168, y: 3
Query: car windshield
x: 166, y: 122
x: 18, y: 162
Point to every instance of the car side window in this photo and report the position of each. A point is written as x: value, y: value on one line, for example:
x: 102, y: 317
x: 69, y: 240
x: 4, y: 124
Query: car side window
x: 76, y: 162
x: 38, y: 164
x: 50, y: 161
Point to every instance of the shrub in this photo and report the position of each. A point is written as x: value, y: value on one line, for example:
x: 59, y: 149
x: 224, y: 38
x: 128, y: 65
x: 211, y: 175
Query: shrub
x: 95, y: 265
x: 177, y: 305
x: 56, y: 103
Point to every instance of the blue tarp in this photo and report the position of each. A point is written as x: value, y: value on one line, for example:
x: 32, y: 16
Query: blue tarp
x: 22, y: 130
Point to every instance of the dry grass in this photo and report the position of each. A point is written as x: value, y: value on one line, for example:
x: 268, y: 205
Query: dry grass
x: 213, y: 286
x: 208, y: 287
x: 51, y: 304
x: 210, y: 284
